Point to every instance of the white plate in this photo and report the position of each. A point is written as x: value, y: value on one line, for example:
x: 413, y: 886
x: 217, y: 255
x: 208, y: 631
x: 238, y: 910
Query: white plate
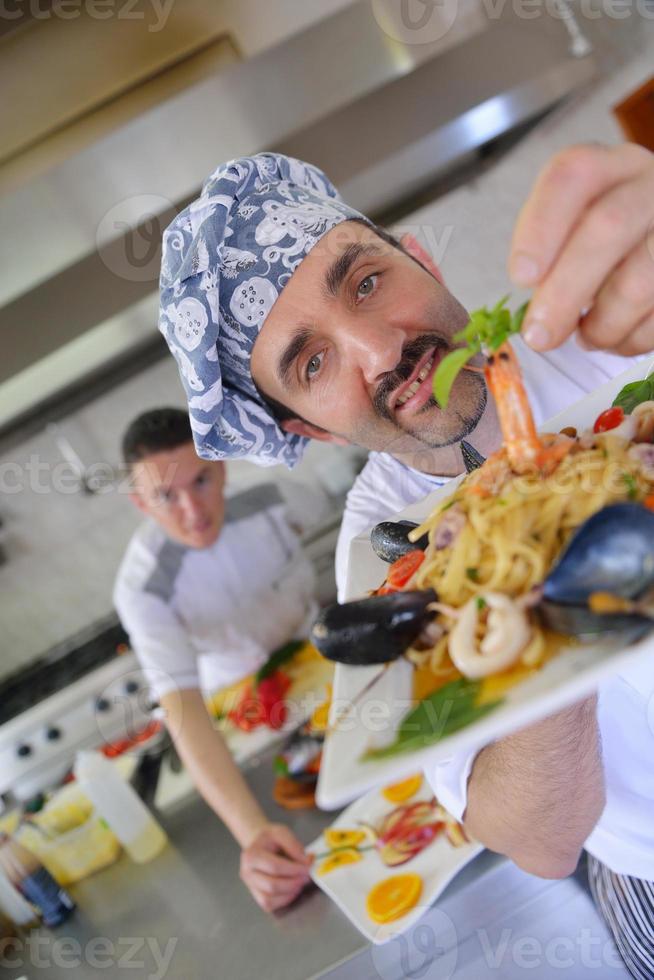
x: 570, y: 676
x: 349, y: 886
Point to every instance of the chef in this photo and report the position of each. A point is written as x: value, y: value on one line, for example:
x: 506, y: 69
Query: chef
x: 207, y: 590
x: 292, y: 317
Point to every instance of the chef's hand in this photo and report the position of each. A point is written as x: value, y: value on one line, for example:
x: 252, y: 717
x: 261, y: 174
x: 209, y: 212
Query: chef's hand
x: 275, y: 867
x: 584, y: 241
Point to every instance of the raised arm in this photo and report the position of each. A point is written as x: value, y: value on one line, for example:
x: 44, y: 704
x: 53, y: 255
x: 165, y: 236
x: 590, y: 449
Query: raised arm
x: 535, y: 796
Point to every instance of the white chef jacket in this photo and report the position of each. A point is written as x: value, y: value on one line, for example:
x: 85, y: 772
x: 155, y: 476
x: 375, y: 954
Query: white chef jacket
x: 623, y: 839
x: 208, y: 617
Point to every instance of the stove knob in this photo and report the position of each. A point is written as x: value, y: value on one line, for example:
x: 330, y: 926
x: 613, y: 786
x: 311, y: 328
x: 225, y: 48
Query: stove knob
x: 102, y: 704
x: 23, y: 751
x: 53, y: 733
x: 131, y: 687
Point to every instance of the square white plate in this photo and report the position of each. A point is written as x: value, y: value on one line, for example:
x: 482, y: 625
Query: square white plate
x: 570, y: 676
x: 350, y: 885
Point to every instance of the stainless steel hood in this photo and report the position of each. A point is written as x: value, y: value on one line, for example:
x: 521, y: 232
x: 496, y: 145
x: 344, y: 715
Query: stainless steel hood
x: 382, y: 115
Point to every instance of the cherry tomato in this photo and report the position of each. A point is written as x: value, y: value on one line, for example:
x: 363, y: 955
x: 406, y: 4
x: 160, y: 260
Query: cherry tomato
x: 610, y: 419
x: 401, y: 570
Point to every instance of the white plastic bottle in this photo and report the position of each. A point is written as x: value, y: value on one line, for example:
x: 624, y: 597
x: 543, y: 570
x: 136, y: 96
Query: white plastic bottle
x: 119, y: 805
x: 14, y: 906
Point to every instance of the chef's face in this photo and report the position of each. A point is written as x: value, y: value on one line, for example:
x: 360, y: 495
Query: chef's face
x: 182, y: 493
x: 351, y: 345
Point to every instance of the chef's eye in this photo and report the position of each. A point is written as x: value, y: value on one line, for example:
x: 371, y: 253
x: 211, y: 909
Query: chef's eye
x: 313, y: 365
x: 367, y: 286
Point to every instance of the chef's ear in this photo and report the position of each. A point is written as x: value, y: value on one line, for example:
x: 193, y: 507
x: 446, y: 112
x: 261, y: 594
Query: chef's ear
x: 298, y: 427
x: 411, y: 245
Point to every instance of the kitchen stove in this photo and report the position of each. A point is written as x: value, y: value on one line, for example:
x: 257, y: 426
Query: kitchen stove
x: 85, y: 693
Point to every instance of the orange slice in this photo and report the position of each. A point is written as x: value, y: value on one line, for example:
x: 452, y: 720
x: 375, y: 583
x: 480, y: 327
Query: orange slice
x: 344, y: 838
x: 399, y: 792
x: 393, y: 897
x: 338, y: 860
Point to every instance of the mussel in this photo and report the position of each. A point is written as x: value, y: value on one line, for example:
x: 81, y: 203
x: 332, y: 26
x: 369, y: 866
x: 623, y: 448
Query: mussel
x: 611, y: 552
x: 374, y: 630
x: 390, y: 540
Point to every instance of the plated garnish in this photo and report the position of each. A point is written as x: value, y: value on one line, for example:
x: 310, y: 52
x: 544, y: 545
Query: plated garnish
x: 515, y: 558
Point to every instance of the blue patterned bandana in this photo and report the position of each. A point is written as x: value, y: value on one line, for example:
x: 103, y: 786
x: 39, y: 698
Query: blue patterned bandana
x: 226, y: 258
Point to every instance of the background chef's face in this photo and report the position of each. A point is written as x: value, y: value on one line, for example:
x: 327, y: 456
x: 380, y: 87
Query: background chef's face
x: 352, y: 343
x: 182, y: 493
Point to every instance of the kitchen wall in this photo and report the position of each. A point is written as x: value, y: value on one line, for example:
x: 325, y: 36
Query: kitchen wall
x: 63, y: 547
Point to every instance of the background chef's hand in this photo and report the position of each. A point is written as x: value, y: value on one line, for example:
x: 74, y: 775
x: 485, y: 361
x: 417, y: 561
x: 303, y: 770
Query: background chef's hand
x: 275, y: 867
x: 584, y: 240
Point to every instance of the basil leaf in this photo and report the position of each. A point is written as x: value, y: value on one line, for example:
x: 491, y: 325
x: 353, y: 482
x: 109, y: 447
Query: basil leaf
x: 447, y: 371
x: 634, y: 393
x: 433, y: 712
x: 276, y: 659
x: 420, y: 741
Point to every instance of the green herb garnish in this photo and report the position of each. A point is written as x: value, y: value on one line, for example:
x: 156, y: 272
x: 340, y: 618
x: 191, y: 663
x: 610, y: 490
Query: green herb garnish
x: 486, y: 330
x: 473, y: 574
x: 276, y: 659
x: 632, y: 486
x: 445, y: 711
x: 635, y: 393
x: 481, y: 603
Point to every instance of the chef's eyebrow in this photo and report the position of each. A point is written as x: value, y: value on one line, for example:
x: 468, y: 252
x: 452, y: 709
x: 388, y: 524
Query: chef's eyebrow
x: 333, y: 281
x: 297, y: 343
x: 340, y: 267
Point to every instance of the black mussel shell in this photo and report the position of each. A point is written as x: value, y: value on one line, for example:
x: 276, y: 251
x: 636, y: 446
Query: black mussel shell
x: 582, y: 622
x: 390, y: 540
x: 613, y: 551
x: 374, y: 630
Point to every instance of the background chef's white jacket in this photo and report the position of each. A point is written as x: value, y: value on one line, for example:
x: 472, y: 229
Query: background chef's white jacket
x: 208, y: 617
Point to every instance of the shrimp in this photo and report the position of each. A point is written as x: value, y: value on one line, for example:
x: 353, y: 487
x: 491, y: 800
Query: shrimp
x: 525, y: 450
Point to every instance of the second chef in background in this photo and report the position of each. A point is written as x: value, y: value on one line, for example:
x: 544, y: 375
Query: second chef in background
x: 207, y: 590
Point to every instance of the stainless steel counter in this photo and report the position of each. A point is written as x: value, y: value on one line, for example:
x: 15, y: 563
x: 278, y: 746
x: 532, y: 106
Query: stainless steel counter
x: 186, y: 916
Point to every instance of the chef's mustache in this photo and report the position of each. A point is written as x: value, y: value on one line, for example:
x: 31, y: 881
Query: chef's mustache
x: 411, y: 354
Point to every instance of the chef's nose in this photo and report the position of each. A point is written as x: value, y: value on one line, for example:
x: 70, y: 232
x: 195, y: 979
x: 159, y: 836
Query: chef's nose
x: 189, y: 504
x: 376, y: 348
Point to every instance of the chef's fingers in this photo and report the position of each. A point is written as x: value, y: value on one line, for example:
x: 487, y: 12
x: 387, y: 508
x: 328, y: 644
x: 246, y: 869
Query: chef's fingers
x: 264, y: 884
x: 563, y: 191
x: 640, y: 340
x: 269, y: 895
x: 274, y: 865
x: 623, y: 302
x: 289, y: 843
x: 613, y: 226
